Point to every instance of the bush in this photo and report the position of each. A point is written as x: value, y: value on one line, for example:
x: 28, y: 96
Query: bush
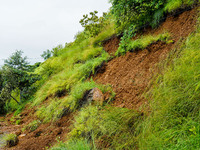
x: 132, y: 12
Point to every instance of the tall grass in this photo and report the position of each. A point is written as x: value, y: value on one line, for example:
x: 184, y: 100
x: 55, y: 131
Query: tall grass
x: 58, y: 106
x: 73, y: 145
x: 175, y: 119
x: 173, y: 5
x: 109, y: 127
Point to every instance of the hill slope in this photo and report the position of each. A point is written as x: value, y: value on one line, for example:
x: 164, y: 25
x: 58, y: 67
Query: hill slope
x: 150, y: 91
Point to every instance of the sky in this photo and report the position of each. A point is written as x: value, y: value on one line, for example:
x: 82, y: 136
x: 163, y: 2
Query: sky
x: 34, y: 26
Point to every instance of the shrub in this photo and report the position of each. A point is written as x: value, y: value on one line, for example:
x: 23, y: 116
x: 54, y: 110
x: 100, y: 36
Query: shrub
x: 132, y: 12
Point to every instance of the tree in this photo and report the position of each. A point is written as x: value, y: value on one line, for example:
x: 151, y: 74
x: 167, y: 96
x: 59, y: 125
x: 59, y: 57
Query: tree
x: 46, y: 54
x: 15, y: 75
x: 16, y: 61
x: 93, y: 24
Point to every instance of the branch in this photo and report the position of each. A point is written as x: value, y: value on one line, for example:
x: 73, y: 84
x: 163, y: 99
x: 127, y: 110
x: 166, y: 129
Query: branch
x: 14, y: 99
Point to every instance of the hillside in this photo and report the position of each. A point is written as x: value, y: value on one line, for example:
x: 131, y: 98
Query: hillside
x: 128, y: 81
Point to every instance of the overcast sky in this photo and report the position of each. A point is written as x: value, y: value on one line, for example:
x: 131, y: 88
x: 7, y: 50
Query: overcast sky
x: 37, y: 25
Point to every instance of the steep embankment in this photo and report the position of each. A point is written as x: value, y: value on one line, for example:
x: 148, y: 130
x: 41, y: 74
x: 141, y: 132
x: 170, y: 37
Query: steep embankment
x: 129, y: 75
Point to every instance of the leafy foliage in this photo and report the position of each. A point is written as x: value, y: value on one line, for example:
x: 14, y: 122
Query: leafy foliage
x: 136, y: 12
x: 15, y: 77
x: 46, y: 54
x: 93, y: 25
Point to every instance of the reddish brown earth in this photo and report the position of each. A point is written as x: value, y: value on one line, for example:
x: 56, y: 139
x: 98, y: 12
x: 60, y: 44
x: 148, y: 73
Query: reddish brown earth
x: 44, y: 136
x: 131, y: 74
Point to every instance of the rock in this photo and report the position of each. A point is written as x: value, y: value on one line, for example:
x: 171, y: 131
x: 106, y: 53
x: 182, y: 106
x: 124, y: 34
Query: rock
x: 22, y: 135
x: 96, y: 96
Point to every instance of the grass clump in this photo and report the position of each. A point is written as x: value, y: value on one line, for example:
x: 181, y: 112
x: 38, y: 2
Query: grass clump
x: 32, y: 126
x: 173, y: 5
x: 141, y: 43
x: 174, y: 122
x: 67, y: 78
x: 59, y: 107
x: 73, y: 145
x: 106, y: 127
x: 10, y: 139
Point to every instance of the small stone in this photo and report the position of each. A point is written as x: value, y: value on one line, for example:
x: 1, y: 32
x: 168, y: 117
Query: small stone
x: 22, y: 135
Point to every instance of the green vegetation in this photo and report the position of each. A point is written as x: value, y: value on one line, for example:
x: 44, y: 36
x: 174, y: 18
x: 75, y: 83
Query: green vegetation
x: 174, y: 121
x: 141, y: 43
x: 16, y: 81
x: 32, y: 126
x: 73, y: 145
x: 11, y: 139
x: 106, y: 125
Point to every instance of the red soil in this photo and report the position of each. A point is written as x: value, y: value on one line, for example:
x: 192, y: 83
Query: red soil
x: 44, y: 136
x: 131, y: 74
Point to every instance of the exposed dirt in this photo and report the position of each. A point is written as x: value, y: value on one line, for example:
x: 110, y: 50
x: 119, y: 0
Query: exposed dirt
x: 130, y: 75
x: 112, y: 45
x: 44, y: 136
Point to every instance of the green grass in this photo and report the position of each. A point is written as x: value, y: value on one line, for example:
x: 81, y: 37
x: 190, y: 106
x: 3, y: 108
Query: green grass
x: 175, y: 119
x: 32, y: 126
x: 56, y: 107
x: 10, y: 139
x: 141, y: 43
x: 107, y: 33
x: 66, y: 79
x: 73, y: 145
x: 109, y: 126
x: 173, y: 5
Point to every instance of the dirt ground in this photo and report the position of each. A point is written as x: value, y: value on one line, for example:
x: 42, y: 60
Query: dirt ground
x: 129, y: 76
x: 46, y: 135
